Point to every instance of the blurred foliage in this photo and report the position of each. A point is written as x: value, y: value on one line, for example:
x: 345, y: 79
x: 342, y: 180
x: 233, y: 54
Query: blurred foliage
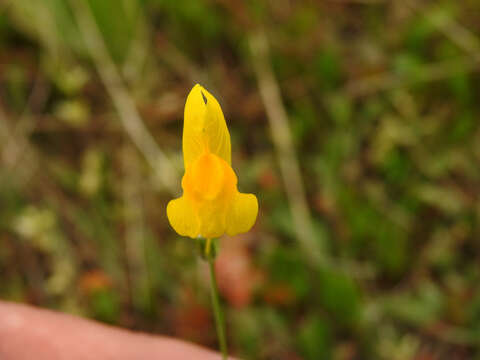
x: 383, y: 104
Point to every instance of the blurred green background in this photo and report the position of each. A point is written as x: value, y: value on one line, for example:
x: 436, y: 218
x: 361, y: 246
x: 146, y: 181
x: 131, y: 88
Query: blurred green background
x: 376, y: 102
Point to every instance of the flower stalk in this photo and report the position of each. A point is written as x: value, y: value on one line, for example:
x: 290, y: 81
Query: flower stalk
x: 209, y: 254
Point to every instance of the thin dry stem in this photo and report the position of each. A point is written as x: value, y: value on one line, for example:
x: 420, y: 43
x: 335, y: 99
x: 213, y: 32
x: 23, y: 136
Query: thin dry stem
x: 287, y: 159
x: 123, y: 102
x: 458, y: 34
x: 426, y: 73
x: 134, y: 220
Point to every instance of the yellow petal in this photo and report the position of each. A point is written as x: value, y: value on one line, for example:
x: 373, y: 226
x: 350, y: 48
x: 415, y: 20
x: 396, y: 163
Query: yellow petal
x: 208, y: 173
x: 242, y: 214
x: 212, y: 219
x: 183, y: 218
x: 204, y: 127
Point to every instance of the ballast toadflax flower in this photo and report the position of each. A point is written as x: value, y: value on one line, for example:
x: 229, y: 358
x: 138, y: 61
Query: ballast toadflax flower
x: 211, y: 204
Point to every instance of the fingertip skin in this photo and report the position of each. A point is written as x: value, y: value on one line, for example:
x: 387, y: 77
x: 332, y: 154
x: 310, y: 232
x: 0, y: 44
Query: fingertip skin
x: 28, y: 333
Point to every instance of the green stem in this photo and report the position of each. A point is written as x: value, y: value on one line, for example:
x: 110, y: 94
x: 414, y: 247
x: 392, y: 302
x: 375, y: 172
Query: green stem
x: 217, y: 310
x: 208, y: 246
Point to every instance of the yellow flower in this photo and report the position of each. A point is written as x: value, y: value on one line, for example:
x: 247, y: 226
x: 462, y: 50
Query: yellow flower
x: 211, y: 204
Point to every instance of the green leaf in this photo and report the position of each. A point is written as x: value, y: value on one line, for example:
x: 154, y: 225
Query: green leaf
x: 340, y: 296
x: 314, y: 339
